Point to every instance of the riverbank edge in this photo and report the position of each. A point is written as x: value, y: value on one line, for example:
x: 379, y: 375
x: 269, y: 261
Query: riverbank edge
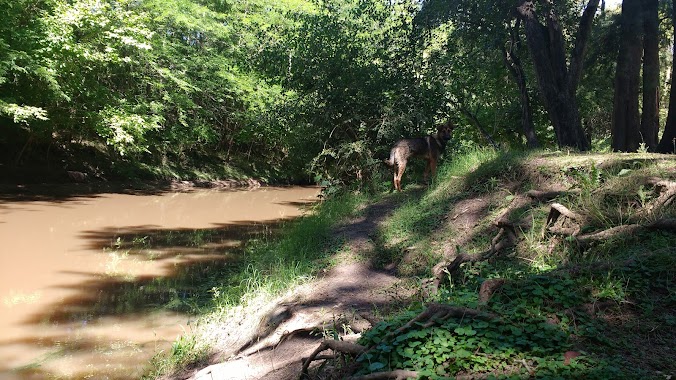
x: 49, y: 190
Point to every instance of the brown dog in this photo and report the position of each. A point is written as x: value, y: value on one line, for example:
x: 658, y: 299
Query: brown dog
x: 428, y: 147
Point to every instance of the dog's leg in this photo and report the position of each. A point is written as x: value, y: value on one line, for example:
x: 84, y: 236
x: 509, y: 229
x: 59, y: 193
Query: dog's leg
x: 430, y: 170
x: 433, y: 167
x: 398, y: 174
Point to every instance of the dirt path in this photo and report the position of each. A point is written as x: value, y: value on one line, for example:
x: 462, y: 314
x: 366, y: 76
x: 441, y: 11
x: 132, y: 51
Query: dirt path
x: 341, y: 301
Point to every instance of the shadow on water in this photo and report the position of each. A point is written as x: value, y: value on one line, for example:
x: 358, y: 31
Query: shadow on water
x: 65, y: 192
x: 149, y: 274
x: 196, y: 261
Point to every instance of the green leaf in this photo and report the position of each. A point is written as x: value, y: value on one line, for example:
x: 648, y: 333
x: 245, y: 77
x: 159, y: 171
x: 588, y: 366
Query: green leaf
x: 376, y: 366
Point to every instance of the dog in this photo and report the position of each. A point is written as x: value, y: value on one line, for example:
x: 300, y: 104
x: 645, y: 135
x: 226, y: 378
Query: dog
x: 429, y: 147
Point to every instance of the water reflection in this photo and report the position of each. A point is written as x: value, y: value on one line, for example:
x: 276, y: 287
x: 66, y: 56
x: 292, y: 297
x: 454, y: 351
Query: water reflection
x: 93, y: 285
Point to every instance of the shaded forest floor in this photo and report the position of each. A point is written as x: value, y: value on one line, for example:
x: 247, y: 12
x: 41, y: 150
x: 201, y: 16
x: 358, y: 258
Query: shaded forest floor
x: 509, y: 265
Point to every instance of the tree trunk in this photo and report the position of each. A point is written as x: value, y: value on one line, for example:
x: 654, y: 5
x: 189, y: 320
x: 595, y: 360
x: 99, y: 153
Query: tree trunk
x: 513, y: 63
x: 668, y: 142
x: 556, y: 80
x: 650, y: 119
x: 625, y: 120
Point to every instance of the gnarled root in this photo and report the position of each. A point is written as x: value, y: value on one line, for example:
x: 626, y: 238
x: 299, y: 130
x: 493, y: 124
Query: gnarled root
x: 505, y: 238
x: 562, y: 221
x: 436, y: 312
x: 347, y: 348
x: 433, y: 314
x: 399, y: 374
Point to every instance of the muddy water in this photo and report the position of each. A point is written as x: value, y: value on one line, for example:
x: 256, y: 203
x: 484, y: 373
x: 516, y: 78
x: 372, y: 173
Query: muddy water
x: 93, y: 286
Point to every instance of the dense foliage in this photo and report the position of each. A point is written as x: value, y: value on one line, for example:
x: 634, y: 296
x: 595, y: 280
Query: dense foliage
x: 282, y: 89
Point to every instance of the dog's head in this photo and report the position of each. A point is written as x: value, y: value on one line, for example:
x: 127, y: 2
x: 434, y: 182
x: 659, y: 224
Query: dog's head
x: 444, y: 130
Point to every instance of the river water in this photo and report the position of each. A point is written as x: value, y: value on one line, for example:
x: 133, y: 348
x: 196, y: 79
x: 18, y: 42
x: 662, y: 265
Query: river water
x: 92, y: 286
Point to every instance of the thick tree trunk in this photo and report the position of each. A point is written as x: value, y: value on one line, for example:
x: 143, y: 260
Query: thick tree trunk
x: 625, y: 121
x: 556, y: 80
x: 650, y: 118
x: 668, y: 142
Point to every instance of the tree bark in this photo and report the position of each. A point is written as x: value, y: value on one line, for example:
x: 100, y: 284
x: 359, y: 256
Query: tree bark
x: 513, y: 64
x: 650, y: 119
x: 558, y: 81
x: 668, y: 141
x: 625, y: 120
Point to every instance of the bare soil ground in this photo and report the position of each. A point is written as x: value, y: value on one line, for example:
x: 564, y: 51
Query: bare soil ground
x: 344, y: 301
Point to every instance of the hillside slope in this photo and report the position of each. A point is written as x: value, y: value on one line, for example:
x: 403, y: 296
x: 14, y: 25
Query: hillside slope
x: 546, y: 265
x: 509, y: 265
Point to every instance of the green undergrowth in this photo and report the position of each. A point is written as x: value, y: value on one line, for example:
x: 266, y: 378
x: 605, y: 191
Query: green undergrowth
x: 304, y: 248
x: 603, y: 312
x: 268, y: 266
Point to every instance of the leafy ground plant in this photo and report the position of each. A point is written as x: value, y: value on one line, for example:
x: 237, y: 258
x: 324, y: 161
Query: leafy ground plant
x: 551, y: 304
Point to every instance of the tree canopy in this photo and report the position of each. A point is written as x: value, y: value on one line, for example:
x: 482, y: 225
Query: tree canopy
x: 310, y: 88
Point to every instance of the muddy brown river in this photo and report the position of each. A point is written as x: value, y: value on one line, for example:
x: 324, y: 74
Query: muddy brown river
x: 93, y: 286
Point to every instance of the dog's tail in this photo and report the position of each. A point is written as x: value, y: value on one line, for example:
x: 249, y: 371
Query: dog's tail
x: 391, y: 160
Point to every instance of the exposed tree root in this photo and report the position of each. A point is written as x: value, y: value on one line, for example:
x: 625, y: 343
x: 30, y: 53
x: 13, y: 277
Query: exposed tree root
x: 399, y: 374
x: 352, y: 349
x: 562, y: 221
x: 489, y: 287
x: 546, y: 196
x: 433, y: 314
x: 436, y: 312
x: 584, y: 241
x: 505, y: 238
x: 667, y: 197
